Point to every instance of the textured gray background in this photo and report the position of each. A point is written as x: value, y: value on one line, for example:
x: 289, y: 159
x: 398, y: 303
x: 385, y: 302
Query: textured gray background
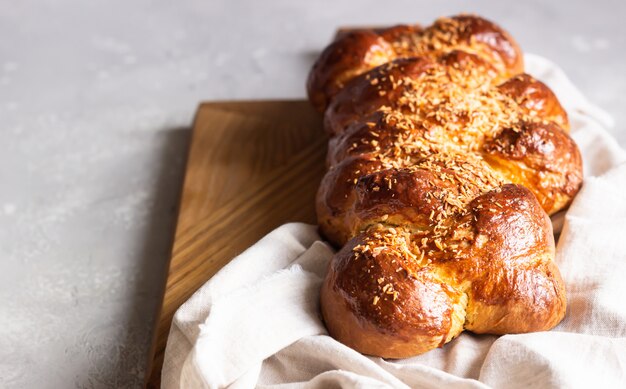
x: 96, y: 99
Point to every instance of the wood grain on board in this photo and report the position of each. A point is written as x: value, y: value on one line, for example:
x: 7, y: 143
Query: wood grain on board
x: 252, y: 166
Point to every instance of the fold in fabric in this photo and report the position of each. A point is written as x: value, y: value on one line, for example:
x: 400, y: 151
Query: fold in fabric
x: 256, y: 323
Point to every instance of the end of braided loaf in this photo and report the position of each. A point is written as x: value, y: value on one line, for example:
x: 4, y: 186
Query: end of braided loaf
x: 358, y: 51
x: 445, y: 160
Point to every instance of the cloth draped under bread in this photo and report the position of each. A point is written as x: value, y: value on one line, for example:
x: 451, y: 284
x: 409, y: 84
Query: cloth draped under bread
x: 257, y: 322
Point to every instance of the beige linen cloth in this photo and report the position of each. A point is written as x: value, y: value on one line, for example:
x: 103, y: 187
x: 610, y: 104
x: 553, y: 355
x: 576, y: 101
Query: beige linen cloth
x: 256, y: 323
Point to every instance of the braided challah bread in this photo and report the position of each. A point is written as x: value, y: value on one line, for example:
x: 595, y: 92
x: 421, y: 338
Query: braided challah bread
x: 444, y: 163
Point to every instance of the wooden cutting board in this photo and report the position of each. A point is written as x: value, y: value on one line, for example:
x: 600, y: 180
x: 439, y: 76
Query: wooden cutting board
x: 252, y: 166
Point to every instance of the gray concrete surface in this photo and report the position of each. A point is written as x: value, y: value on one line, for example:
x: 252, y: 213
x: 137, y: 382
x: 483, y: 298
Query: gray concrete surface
x: 96, y: 99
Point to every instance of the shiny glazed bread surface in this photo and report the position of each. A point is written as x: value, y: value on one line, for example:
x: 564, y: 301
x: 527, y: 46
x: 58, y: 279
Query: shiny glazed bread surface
x: 444, y: 162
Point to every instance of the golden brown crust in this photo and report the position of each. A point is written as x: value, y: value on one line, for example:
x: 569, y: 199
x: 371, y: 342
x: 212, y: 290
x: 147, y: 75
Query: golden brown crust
x: 389, y: 294
x: 515, y: 285
x: 540, y: 156
x: 350, y: 55
x: 413, y: 107
x: 370, y: 91
x: 376, y: 303
x: 443, y: 162
x: 355, y: 52
x: 535, y: 99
